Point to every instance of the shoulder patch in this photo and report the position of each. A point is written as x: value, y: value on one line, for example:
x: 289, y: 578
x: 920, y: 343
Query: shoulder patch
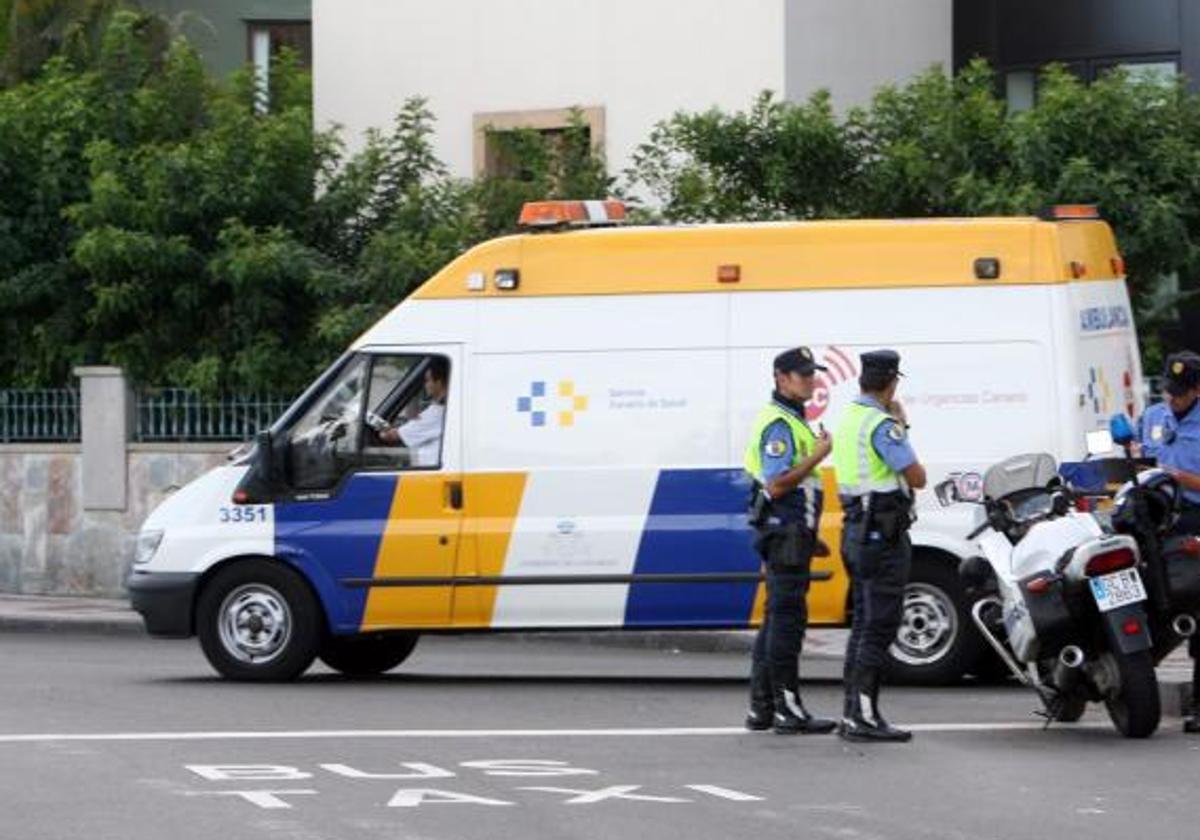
x: 896, y: 432
x: 775, y: 448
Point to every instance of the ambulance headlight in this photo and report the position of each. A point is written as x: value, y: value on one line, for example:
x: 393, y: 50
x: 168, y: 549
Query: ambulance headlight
x: 147, y: 544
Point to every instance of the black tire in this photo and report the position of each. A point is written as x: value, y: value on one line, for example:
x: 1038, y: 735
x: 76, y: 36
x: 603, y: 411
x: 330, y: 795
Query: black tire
x: 368, y: 655
x: 1072, y: 708
x: 1135, y: 709
x: 937, y: 642
x: 258, y: 622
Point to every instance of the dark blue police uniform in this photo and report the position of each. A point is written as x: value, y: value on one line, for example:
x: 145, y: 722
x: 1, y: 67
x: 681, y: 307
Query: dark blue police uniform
x: 1179, y: 450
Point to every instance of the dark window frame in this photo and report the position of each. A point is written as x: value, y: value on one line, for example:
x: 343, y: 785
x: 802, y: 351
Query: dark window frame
x: 254, y: 25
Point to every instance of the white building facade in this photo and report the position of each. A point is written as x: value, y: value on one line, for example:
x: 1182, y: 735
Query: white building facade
x: 626, y: 63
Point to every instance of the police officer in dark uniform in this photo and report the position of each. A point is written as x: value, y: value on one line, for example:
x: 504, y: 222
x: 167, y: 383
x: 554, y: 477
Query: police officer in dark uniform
x: 782, y: 458
x: 877, y: 471
x: 1179, y: 454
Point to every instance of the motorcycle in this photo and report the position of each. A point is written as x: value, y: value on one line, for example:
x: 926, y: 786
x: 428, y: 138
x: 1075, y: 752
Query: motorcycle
x: 1146, y: 507
x: 1059, y: 598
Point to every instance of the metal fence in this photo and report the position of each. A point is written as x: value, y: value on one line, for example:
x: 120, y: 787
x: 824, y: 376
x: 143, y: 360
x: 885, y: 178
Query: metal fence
x: 39, y: 415
x: 178, y: 414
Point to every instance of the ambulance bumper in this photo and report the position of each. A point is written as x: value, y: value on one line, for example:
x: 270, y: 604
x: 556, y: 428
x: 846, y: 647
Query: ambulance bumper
x: 165, y: 601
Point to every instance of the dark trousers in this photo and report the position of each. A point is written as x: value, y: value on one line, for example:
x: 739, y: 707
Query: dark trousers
x: 781, y: 635
x: 1189, y: 523
x: 878, y: 573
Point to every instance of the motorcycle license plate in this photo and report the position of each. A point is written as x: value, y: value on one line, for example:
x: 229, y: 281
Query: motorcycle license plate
x: 1118, y: 589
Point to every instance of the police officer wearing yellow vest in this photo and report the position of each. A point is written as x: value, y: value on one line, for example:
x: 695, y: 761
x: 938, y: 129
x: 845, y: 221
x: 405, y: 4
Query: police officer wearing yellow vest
x: 877, y: 471
x: 782, y: 458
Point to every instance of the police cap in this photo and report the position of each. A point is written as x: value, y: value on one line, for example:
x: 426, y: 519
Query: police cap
x: 797, y: 360
x: 881, y: 363
x: 1182, y: 372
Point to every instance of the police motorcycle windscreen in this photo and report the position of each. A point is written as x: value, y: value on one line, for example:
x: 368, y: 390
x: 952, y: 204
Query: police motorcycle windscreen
x: 1067, y: 610
x: 1021, y: 472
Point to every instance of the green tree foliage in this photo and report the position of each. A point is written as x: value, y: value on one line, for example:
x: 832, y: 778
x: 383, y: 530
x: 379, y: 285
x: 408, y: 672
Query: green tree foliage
x: 947, y: 146
x: 32, y: 31
x: 778, y: 161
x: 154, y: 218
x: 157, y: 220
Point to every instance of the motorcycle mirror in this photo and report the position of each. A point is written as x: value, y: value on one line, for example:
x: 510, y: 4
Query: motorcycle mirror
x: 1121, y: 429
x: 1100, y: 442
x: 947, y: 492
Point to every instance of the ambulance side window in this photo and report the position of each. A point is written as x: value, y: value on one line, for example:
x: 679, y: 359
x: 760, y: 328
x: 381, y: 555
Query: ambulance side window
x: 324, y: 443
x: 406, y: 415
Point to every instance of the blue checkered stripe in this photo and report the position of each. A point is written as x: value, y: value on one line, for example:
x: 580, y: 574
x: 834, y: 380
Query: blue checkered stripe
x: 533, y: 404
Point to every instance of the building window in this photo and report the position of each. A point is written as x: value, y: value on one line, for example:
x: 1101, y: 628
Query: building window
x: 1020, y: 89
x: 1021, y: 86
x: 1158, y: 72
x: 265, y: 39
x: 493, y: 155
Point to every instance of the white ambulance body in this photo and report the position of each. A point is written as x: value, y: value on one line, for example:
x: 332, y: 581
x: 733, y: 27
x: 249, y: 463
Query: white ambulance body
x: 602, y: 386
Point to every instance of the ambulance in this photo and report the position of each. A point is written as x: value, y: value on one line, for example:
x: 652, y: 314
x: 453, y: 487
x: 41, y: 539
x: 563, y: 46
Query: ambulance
x: 591, y: 387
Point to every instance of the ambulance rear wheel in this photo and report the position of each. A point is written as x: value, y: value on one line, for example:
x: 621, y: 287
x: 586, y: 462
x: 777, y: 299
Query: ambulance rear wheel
x: 258, y: 621
x: 937, y: 641
x: 369, y: 655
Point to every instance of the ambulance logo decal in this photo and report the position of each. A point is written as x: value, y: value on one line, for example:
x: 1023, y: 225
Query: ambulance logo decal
x: 1098, y: 390
x: 560, y: 403
x: 842, y: 368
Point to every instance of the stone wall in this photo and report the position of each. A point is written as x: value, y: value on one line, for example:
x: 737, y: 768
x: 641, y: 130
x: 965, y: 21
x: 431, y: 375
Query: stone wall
x: 51, y: 544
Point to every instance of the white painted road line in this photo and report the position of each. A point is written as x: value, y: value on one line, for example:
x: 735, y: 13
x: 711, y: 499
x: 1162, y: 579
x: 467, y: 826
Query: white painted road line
x: 383, y: 734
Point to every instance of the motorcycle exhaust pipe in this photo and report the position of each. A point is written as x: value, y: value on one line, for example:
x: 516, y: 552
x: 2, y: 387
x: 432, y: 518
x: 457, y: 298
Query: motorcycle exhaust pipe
x: 1184, y: 626
x: 1066, y: 670
x: 1071, y: 656
x: 990, y: 637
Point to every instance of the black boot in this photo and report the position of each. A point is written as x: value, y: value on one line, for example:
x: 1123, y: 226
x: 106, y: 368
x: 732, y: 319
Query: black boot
x: 865, y: 723
x: 791, y: 718
x: 762, y: 704
x: 1191, y: 723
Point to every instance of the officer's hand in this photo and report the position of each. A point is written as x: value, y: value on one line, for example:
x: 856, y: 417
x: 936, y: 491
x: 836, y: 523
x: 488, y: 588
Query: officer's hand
x: 896, y: 409
x: 823, y: 446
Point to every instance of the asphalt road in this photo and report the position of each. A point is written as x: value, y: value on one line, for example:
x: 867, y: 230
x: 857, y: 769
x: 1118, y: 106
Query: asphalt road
x: 125, y: 738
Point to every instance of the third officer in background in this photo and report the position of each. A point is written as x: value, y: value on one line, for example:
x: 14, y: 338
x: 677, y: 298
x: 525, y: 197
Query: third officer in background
x: 1179, y: 454
x: 782, y: 459
x: 877, y: 471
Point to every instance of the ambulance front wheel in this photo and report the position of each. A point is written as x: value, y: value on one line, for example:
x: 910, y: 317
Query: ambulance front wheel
x: 368, y: 655
x: 937, y: 643
x: 258, y: 622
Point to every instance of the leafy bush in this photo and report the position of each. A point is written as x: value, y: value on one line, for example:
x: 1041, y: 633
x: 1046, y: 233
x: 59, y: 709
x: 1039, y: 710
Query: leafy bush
x: 154, y: 218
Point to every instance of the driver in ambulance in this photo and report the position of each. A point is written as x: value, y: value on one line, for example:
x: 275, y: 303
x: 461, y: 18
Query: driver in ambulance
x: 423, y: 433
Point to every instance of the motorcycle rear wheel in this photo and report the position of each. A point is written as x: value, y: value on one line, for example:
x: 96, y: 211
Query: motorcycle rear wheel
x: 1071, y: 709
x: 1135, y: 709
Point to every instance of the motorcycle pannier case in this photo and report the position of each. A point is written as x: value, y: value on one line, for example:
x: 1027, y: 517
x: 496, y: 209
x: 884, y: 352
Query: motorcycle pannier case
x: 1049, y: 612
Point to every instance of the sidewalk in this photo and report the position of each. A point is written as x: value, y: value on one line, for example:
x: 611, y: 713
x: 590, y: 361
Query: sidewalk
x: 111, y: 616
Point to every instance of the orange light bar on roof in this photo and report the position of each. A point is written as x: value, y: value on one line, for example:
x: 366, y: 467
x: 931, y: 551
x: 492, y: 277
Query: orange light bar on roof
x: 1070, y: 213
x: 542, y: 214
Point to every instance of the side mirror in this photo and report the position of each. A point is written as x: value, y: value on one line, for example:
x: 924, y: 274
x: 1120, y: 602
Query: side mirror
x: 1121, y: 429
x: 261, y: 482
x: 947, y: 492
